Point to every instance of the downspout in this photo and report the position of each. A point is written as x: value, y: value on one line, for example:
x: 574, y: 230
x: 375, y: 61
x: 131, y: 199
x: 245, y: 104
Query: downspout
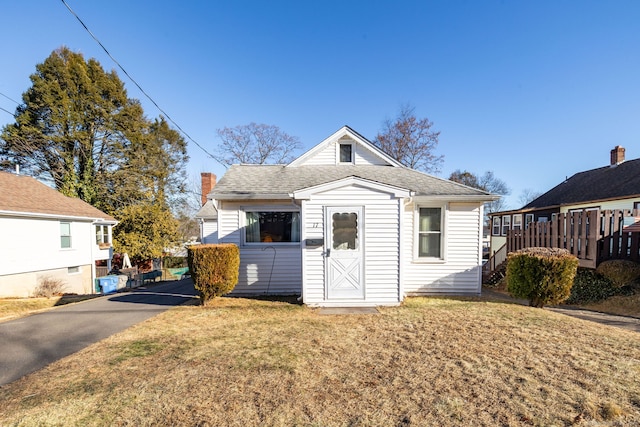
x: 402, y: 229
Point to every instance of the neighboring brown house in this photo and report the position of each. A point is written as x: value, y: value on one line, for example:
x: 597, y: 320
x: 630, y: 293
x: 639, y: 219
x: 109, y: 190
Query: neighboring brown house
x: 615, y: 186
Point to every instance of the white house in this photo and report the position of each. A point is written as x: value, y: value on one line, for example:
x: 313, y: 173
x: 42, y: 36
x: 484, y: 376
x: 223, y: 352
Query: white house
x: 347, y: 225
x: 48, y: 235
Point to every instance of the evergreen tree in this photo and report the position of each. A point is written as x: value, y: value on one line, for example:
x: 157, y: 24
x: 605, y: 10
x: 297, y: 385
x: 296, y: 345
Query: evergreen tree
x: 78, y: 129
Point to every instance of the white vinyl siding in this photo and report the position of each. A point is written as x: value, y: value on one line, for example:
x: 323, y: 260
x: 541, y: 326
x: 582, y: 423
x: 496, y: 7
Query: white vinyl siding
x: 263, y: 270
x: 460, y: 273
x: 381, y: 244
x: 329, y: 155
x: 210, y: 231
x: 20, y: 274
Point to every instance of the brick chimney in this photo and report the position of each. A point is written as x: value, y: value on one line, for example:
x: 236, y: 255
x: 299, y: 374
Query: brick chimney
x: 617, y: 155
x: 208, y: 181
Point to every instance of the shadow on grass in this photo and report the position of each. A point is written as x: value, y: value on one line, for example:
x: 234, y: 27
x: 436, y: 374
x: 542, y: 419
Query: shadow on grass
x: 69, y: 299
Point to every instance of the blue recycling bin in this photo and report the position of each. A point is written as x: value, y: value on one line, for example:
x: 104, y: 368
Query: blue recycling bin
x: 107, y: 284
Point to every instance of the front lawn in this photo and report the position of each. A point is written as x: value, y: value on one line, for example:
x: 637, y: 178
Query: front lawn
x: 429, y: 362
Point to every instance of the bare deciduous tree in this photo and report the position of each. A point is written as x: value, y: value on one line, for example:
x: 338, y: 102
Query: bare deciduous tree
x: 257, y: 144
x: 410, y: 141
x: 487, y: 182
x: 528, y: 195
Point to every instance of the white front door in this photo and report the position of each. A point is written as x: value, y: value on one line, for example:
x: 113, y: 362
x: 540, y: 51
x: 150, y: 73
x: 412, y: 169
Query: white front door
x: 344, y: 253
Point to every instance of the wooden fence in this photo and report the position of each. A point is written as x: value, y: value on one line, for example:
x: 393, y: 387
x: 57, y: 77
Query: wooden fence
x: 592, y: 236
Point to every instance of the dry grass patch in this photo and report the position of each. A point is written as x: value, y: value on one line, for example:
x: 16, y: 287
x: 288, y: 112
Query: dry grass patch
x: 429, y: 362
x: 621, y: 305
x: 11, y: 308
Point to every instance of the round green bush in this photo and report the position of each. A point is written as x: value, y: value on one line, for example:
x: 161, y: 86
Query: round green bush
x: 620, y: 272
x: 214, y: 269
x: 541, y: 275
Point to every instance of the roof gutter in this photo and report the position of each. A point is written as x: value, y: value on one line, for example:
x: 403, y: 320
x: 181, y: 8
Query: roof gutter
x: 57, y: 216
x: 458, y: 198
x: 250, y: 196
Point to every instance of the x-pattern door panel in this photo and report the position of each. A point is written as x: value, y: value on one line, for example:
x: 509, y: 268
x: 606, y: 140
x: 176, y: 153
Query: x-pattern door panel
x: 344, y: 252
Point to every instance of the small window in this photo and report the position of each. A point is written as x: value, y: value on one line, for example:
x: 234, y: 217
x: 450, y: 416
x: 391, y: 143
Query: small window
x: 506, y: 224
x: 345, y: 231
x: 517, y: 222
x: 272, y: 227
x: 496, y: 226
x: 73, y: 270
x: 65, y: 235
x: 346, y: 153
x: 102, y: 234
x: 528, y: 219
x: 430, y: 233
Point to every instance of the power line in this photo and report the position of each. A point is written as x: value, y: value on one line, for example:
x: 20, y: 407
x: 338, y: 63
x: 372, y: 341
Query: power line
x: 7, y: 111
x: 9, y: 98
x: 140, y: 88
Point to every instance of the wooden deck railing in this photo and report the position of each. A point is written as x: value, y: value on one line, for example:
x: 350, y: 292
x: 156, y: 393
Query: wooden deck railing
x: 494, y: 261
x: 592, y: 236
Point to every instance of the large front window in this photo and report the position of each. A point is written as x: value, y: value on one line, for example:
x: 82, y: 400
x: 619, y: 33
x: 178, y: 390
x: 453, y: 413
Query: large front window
x: 272, y: 227
x: 430, y: 233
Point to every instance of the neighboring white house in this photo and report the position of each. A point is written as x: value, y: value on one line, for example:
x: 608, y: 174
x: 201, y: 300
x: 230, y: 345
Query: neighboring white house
x: 48, y: 235
x: 347, y: 225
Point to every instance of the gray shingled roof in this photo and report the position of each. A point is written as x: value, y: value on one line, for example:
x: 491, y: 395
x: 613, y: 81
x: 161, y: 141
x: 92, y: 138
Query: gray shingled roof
x: 609, y: 182
x: 278, y: 181
x: 20, y: 193
x: 207, y: 211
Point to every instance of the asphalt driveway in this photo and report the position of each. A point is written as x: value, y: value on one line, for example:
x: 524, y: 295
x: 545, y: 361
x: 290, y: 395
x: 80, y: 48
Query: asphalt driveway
x: 30, y: 343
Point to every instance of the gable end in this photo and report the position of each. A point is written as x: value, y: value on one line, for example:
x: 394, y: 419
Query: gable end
x: 345, y: 147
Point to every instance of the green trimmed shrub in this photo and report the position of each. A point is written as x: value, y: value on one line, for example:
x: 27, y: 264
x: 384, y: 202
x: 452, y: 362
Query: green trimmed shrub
x: 590, y: 286
x: 541, y: 275
x: 214, y: 269
x: 620, y: 272
x: 174, y: 262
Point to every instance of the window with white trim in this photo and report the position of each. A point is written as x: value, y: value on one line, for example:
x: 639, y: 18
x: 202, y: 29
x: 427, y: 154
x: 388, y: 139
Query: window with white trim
x: 496, y: 226
x: 517, y: 222
x: 506, y: 224
x: 272, y: 227
x: 345, y: 151
x: 430, y: 230
x: 65, y: 235
x: 102, y: 234
x: 528, y: 219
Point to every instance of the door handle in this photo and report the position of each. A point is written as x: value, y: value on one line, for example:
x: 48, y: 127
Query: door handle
x: 327, y: 253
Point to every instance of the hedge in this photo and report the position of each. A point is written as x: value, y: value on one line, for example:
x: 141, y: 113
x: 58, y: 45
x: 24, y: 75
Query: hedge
x: 541, y: 275
x: 214, y: 269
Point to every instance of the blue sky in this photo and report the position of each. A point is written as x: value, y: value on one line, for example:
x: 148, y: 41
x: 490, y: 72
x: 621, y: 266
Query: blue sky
x: 532, y: 90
